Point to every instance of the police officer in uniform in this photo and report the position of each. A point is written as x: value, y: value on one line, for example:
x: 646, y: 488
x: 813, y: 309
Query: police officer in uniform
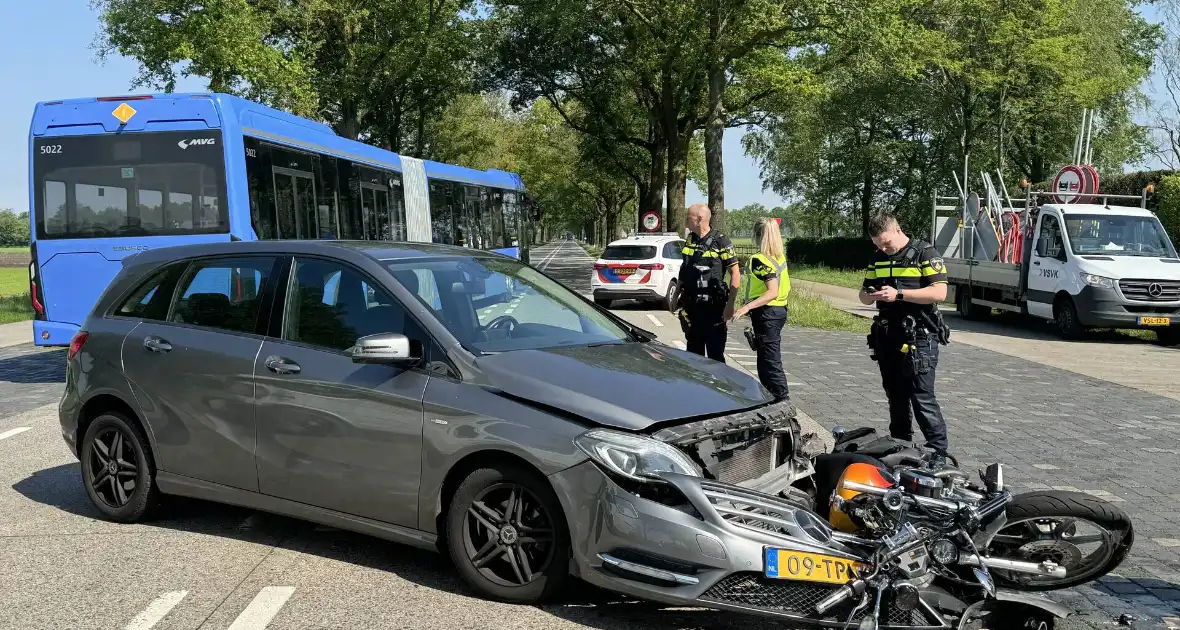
x: 707, y: 285
x: 767, y: 290
x: 906, y: 280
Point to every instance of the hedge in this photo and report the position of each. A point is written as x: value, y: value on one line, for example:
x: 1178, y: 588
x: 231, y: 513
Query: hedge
x: 836, y: 252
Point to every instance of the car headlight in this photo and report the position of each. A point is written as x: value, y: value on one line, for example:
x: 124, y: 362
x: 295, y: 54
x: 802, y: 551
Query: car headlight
x: 1097, y: 281
x: 635, y: 457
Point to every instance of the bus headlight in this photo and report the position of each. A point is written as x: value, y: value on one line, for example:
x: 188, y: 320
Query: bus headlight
x: 1097, y: 281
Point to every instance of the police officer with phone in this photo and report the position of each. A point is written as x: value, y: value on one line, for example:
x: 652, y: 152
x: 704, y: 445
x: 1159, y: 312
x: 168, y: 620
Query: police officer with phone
x: 906, y: 280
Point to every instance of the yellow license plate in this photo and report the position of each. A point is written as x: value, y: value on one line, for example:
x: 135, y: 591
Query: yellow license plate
x: 625, y: 271
x: 1155, y: 321
x: 784, y: 564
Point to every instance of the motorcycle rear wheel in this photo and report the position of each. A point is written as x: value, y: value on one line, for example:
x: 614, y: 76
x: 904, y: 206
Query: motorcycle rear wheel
x: 1045, y: 525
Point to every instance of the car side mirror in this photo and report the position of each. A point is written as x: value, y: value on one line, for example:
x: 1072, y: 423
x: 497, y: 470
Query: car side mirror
x: 386, y: 349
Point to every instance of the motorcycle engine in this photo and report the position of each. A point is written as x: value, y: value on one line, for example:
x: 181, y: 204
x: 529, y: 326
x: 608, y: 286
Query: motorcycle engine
x: 917, y: 483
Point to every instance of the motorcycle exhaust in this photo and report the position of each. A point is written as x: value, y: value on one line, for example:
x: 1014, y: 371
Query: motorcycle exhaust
x: 853, y: 589
x: 1004, y: 564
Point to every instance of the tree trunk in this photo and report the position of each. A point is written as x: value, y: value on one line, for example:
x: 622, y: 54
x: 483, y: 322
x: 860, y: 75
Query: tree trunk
x: 715, y: 123
x: 677, y: 180
x: 866, y: 193
x: 654, y: 194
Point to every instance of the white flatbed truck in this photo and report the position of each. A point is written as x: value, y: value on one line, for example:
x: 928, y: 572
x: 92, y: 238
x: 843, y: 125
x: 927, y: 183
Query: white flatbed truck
x: 1081, y: 265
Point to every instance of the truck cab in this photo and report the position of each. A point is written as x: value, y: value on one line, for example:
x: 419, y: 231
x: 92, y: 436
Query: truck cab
x: 1102, y: 266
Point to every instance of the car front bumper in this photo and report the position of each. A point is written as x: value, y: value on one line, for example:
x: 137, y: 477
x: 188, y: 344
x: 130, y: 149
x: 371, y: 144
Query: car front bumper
x: 708, y: 549
x: 1106, y: 308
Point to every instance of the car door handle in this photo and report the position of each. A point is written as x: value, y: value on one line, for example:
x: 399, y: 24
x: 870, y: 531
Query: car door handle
x: 156, y: 344
x: 1036, y: 262
x: 281, y: 365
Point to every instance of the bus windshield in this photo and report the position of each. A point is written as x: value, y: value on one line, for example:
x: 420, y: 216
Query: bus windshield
x: 134, y: 184
x: 1113, y: 235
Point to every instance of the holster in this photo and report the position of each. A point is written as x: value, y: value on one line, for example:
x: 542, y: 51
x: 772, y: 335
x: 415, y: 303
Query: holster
x: 751, y: 338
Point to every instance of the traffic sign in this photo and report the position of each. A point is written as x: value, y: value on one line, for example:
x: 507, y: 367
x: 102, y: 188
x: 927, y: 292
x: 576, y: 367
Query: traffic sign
x: 650, y: 221
x: 1071, y: 179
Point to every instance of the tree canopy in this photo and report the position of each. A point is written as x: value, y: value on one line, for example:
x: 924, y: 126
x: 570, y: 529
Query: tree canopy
x: 610, y: 108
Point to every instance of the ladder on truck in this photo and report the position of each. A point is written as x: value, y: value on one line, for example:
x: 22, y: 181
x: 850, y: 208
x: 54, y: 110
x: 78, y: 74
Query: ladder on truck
x: 974, y: 227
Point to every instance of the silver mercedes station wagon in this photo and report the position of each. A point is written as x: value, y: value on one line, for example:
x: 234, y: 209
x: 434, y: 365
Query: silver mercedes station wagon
x: 442, y: 397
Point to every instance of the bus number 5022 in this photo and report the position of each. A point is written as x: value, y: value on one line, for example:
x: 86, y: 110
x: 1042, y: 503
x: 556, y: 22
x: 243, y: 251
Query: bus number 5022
x: 50, y: 148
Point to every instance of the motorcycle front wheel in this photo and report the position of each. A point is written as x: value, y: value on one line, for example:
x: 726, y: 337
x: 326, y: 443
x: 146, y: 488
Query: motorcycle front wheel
x: 1086, y: 535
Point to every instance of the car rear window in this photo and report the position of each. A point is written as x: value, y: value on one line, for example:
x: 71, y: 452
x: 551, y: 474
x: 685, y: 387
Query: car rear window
x: 629, y: 252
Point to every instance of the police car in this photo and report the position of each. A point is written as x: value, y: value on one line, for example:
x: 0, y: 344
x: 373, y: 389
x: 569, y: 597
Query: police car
x: 641, y: 267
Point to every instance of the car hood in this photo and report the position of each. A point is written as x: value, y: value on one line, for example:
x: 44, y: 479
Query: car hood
x: 627, y: 386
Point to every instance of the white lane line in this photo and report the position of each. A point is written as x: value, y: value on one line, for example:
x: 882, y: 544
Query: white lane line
x: 552, y: 255
x: 655, y: 321
x: 263, y: 608
x: 155, y: 611
x: 11, y: 432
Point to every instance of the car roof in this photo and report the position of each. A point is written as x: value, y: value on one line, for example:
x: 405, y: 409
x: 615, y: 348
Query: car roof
x: 377, y: 250
x: 647, y: 239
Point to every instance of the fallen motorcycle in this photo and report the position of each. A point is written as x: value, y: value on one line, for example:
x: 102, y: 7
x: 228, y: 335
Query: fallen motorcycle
x: 1084, y: 535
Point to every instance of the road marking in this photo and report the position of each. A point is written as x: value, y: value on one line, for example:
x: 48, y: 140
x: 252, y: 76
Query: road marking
x: 155, y: 611
x: 654, y: 320
x: 12, y: 432
x: 263, y: 608
x: 680, y: 344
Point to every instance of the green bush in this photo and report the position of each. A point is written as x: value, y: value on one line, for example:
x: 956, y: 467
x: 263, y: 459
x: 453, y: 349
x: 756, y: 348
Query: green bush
x: 836, y: 252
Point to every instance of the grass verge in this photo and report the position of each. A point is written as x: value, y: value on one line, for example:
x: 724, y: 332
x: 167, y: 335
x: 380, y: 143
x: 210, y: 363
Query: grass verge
x: 850, y: 278
x: 14, y: 281
x: 15, y: 308
x: 808, y: 309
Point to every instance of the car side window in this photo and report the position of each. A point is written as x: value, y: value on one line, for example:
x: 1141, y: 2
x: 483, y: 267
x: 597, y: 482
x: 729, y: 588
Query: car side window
x: 673, y: 249
x: 151, y: 298
x: 224, y: 294
x: 331, y: 305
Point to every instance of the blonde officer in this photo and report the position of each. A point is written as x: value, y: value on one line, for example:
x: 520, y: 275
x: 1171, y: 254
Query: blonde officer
x: 766, y: 304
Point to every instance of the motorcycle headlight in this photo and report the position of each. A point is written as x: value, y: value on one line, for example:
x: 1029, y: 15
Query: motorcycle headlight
x: 635, y: 457
x: 1097, y: 281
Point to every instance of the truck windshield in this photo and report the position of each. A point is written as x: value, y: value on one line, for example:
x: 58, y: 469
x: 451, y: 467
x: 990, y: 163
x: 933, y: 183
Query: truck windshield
x: 134, y: 184
x: 1118, y: 236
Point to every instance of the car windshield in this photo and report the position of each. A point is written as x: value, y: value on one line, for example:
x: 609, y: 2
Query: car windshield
x: 1117, y: 236
x: 629, y: 252
x: 497, y: 304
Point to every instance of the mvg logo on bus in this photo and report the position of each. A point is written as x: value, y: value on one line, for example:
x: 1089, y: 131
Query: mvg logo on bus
x: 184, y: 144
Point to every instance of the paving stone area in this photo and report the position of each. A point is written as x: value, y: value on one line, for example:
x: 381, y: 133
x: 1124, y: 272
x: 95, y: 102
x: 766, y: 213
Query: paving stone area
x: 1049, y: 427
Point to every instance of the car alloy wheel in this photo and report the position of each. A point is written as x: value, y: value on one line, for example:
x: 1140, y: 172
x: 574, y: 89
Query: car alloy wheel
x: 508, y: 535
x: 113, y: 470
x: 118, y: 469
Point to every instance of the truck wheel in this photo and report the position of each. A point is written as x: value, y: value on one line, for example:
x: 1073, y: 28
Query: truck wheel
x: 966, y: 309
x: 1065, y: 315
x: 1169, y: 336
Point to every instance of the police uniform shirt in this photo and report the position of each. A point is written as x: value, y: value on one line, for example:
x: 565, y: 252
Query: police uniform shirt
x: 762, y: 269
x: 721, y: 248
x: 905, y: 270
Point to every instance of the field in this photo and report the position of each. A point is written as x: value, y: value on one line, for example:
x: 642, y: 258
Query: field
x: 15, y: 305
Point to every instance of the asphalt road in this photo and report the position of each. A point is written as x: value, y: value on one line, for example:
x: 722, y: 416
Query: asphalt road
x: 202, y: 565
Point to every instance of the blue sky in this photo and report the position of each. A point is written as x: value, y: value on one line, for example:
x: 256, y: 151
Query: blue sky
x: 37, y: 69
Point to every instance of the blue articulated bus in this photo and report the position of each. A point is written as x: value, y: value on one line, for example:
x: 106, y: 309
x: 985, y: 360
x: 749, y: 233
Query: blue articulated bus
x: 112, y: 176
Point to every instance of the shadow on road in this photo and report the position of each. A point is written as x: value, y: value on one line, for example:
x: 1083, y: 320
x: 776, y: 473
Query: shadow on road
x: 34, y: 367
x: 60, y: 487
x: 1020, y: 326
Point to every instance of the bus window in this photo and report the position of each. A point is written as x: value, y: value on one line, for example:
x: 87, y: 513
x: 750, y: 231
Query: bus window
x: 144, y: 184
